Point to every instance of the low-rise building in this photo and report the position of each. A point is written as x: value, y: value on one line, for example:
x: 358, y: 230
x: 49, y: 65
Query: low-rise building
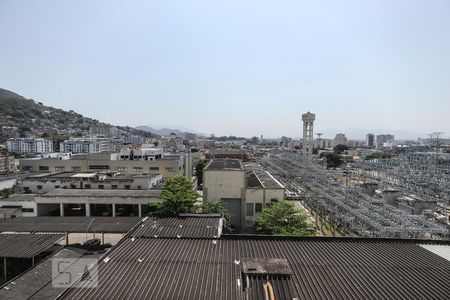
x: 7, y: 164
x: 244, y: 189
x: 167, y: 166
x: 228, y: 154
x: 29, y: 146
x: 89, y: 202
x: 24, y: 202
x: 46, y: 182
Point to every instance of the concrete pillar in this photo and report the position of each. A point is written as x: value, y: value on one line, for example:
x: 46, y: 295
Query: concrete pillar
x: 113, y: 209
x: 61, y: 209
x: 88, y: 209
x: 5, y: 270
x: 140, y: 210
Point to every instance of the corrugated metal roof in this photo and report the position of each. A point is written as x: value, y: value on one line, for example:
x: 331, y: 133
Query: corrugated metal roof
x: 69, y: 224
x: 211, y: 269
x: 180, y: 227
x: 31, y: 282
x: 26, y: 245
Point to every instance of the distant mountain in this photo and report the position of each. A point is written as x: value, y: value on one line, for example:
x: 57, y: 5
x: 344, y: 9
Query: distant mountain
x: 178, y: 130
x: 36, y: 119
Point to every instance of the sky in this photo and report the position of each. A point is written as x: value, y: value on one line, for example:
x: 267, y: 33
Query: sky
x: 234, y: 67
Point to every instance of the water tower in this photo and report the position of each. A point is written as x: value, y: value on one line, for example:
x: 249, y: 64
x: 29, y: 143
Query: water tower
x: 308, y: 134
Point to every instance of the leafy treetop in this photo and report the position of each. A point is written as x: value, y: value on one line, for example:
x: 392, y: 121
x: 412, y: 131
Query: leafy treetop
x: 179, y: 196
x: 283, y: 219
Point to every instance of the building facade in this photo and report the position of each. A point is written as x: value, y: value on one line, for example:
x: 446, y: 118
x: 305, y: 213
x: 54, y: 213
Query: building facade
x: 340, y: 139
x: 29, y: 146
x: 84, y: 146
x: 167, y: 167
x: 384, y: 138
x: 370, y: 140
x: 245, y: 189
x: 7, y: 164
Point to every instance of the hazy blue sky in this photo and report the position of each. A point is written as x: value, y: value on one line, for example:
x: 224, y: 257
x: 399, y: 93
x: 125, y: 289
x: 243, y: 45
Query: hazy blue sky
x: 234, y: 67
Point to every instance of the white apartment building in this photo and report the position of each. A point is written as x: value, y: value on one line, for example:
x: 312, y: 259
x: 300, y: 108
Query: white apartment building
x: 84, y: 146
x: 29, y: 146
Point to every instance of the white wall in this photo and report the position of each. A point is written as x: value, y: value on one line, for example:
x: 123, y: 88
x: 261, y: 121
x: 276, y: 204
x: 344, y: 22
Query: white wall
x: 223, y: 184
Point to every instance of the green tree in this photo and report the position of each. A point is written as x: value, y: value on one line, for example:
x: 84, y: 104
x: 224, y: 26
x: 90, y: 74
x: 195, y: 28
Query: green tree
x: 214, y: 207
x: 254, y: 140
x: 281, y: 218
x: 179, y: 196
x: 340, y: 148
x: 199, y: 166
x: 333, y: 159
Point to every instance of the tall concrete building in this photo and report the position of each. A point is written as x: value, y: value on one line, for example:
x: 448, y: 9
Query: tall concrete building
x: 384, y: 138
x: 308, y: 134
x: 370, y: 140
x: 340, y: 139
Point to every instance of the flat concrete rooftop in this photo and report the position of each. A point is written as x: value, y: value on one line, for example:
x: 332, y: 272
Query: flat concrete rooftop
x: 224, y: 164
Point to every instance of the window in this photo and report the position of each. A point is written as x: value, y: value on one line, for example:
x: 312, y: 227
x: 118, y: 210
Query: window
x: 114, y: 186
x: 138, y: 187
x: 87, y: 186
x: 76, y: 169
x: 127, y: 187
x: 101, y: 186
x: 39, y: 187
x: 258, y: 208
x: 98, y: 167
x: 43, y: 168
x: 60, y: 168
x: 27, y: 210
x: 138, y: 169
x: 154, y: 168
x: 171, y: 169
x: 121, y: 169
x: 249, y: 210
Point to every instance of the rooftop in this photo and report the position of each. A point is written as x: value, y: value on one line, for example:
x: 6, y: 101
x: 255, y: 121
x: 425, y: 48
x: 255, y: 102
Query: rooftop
x: 102, y: 193
x: 224, y: 164
x: 18, y: 198
x: 69, y: 224
x: 185, y: 226
x: 307, y: 268
x: 26, y: 245
x: 37, y: 282
x: 256, y: 177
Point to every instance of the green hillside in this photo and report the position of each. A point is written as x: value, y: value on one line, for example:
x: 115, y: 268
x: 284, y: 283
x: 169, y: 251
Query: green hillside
x: 32, y: 118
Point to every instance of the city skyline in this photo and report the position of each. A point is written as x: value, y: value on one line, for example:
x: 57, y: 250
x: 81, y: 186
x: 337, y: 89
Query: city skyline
x: 241, y: 69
